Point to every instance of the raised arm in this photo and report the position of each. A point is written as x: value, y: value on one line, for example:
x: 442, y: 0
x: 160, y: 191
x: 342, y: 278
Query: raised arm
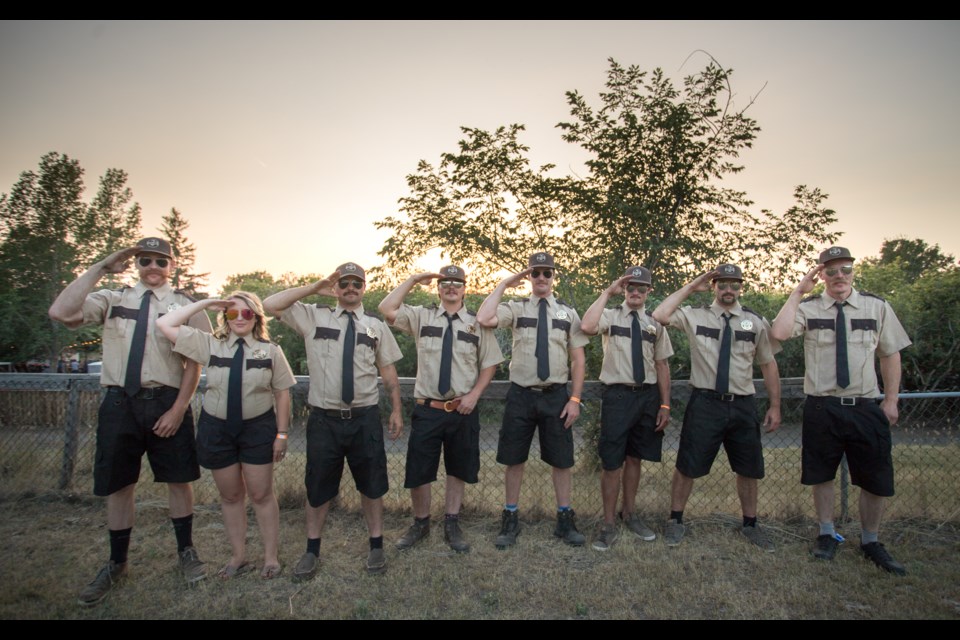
x: 282, y: 300
x: 487, y: 313
x: 169, y: 323
x: 671, y: 303
x: 782, y: 327
x: 590, y: 322
x: 68, y: 307
x: 391, y: 303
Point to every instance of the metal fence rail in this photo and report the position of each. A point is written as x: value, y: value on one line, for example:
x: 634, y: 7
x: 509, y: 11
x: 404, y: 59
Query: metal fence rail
x: 48, y: 430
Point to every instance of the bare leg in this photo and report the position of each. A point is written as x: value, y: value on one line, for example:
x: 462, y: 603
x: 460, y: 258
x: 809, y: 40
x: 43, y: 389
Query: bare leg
x: 233, y: 506
x: 316, y: 518
x: 181, y: 499
x: 562, y: 485
x: 871, y: 511
x: 259, y: 481
x: 513, y: 478
x: 373, y: 514
x: 420, y: 496
x: 747, y: 489
x: 453, y: 498
x: 631, y: 482
x: 121, y: 508
x: 609, y: 490
x: 823, y: 501
x: 680, y: 490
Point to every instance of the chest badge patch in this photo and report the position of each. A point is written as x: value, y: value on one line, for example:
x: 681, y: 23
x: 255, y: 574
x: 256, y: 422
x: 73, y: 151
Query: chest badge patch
x: 561, y: 315
x: 258, y: 354
x: 746, y: 325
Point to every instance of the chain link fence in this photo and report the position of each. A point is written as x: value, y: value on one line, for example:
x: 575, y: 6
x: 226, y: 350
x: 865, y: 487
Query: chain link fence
x: 48, y: 432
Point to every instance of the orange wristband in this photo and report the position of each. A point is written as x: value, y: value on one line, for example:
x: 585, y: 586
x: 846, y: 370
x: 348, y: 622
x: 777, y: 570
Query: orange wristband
x: 575, y: 399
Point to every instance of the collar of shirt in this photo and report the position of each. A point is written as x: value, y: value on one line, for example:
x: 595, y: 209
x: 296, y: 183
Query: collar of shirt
x: 160, y: 292
x: 551, y: 300
x: 439, y: 311
x: 718, y: 309
x: 626, y: 310
x: 234, y: 338
x: 853, y: 300
x: 357, y: 313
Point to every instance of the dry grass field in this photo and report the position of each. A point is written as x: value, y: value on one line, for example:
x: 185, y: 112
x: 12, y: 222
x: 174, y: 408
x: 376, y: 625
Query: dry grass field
x: 55, y: 543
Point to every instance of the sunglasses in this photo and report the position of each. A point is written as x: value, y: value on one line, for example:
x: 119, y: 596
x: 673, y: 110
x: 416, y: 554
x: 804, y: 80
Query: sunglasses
x: 456, y: 284
x: 343, y: 284
x: 146, y: 262
x: 246, y: 314
x: 638, y: 288
x: 547, y: 273
x: 733, y: 286
x: 846, y: 270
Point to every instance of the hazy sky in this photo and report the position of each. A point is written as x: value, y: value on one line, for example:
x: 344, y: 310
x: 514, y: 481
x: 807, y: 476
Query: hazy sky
x: 282, y: 142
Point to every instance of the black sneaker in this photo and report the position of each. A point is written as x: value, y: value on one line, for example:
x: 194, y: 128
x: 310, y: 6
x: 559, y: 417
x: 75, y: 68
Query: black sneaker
x: 97, y: 590
x: 567, y: 528
x: 825, y: 547
x: 509, y: 529
x: 876, y: 552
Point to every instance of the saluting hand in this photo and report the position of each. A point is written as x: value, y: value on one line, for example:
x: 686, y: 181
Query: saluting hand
x: 426, y: 277
x: 702, y: 281
x: 327, y: 286
x: 518, y: 278
x: 119, y: 261
x: 809, y: 281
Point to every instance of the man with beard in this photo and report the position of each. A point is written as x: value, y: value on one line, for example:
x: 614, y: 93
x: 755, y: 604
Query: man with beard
x: 456, y: 360
x: 636, y: 397
x: 346, y: 347
x: 725, y: 341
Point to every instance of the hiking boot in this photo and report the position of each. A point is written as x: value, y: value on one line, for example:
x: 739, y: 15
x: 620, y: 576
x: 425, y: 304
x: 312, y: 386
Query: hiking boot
x: 417, y: 532
x: 876, y: 552
x: 97, y: 590
x: 191, y: 566
x: 567, y: 528
x: 638, y: 527
x: 607, y: 538
x: 509, y: 530
x: 673, y: 533
x: 376, y: 561
x: 759, y: 537
x: 454, y: 537
x: 306, y: 567
x: 825, y: 547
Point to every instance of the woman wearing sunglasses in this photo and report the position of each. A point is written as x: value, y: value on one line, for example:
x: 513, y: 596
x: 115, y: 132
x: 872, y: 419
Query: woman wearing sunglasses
x: 243, y: 426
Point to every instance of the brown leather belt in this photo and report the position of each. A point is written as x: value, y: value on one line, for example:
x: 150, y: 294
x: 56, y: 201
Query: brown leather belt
x: 447, y: 405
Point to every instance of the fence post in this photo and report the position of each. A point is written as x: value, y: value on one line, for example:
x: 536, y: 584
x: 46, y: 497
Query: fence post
x: 70, y: 437
x: 844, y: 488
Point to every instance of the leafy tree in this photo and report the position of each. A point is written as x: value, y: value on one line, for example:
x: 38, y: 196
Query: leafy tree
x: 174, y: 229
x: 916, y: 257
x: 652, y: 194
x: 38, y: 255
x: 110, y: 223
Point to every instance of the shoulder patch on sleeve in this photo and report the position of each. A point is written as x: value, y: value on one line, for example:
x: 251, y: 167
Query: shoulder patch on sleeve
x: 431, y: 306
x: 324, y: 306
x: 871, y: 295
x: 185, y: 295
x: 559, y: 301
x: 469, y: 312
x: 811, y: 298
x: 749, y: 310
x: 372, y: 314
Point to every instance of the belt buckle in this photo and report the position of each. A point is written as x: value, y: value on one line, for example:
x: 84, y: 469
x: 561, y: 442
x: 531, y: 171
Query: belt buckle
x: 727, y: 397
x: 147, y: 394
x: 447, y: 407
x: 346, y: 414
x: 848, y: 401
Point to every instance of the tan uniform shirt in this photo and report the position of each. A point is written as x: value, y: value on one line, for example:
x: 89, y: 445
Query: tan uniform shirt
x: 565, y: 335
x: 751, y: 343
x: 117, y: 312
x: 265, y: 370
x: 616, y: 328
x: 872, y: 326
x: 474, y: 348
x: 323, y: 329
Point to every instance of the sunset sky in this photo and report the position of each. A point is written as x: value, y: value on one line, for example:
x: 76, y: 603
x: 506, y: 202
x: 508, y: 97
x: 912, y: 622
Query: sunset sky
x: 282, y: 142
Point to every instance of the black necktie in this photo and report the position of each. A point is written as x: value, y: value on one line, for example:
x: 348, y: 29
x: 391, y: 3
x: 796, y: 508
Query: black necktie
x: 235, y: 389
x: 131, y: 384
x: 636, y: 349
x: 843, y: 371
x: 723, y: 365
x: 349, y: 343
x: 446, y: 357
x: 543, y: 357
